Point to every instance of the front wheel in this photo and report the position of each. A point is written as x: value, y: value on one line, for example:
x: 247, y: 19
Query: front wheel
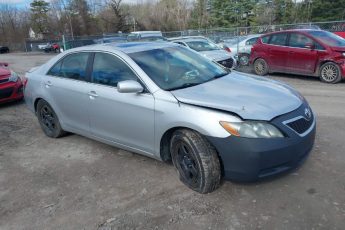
x: 330, y: 73
x: 48, y: 120
x: 196, y: 161
x: 260, y: 67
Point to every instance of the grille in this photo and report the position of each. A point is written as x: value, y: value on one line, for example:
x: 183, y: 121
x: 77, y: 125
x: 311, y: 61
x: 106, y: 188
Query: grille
x: 301, y: 125
x: 5, y: 93
x: 227, y: 63
x: 3, y: 80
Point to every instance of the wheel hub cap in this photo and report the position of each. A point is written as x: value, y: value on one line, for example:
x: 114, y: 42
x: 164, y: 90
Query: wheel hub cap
x: 187, y: 164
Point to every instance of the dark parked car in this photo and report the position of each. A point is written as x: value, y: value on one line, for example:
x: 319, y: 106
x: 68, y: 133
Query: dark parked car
x: 305, y: 52
x: 4, y: 49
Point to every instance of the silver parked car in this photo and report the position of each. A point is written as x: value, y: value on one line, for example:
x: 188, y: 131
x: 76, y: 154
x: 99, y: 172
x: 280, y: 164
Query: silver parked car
x: 241, y: 47
x: 208, y: 49
x: 167, y: 102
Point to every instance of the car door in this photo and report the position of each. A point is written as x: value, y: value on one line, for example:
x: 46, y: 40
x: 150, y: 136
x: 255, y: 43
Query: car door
x: 122, y: 118
x: 303, y: 56
x: 66, y: 85
x: 278, y: 56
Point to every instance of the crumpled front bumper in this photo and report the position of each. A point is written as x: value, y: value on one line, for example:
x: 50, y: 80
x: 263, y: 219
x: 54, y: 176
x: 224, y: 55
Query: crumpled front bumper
x: 251, y: 159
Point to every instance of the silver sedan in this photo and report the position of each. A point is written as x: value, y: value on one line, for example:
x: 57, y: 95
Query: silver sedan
x: 168, y: 102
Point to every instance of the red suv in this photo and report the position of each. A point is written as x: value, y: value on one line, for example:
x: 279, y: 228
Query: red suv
x: 303, y: 52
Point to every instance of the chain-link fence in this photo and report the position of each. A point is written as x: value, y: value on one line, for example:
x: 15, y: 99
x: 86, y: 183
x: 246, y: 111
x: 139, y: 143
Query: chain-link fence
x: 215, y: 34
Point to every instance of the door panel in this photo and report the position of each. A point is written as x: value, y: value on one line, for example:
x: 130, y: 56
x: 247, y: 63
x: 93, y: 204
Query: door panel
x: 70, y: 100
x: 66, y: 85
x: 124, y: 118
x: 301, y: 59
x: 277, y: 50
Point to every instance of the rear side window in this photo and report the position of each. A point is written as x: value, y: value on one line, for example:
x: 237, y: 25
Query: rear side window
x: 109, y: 70
x: 73, y: 67
x: 265, y: 39
x: 278, y: 39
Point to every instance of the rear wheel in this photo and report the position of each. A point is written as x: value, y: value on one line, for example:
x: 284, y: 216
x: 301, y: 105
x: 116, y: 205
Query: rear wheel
x: 261, y: 67
x: 196, y: 161
x: 330, y: 73
x: 48, y: 120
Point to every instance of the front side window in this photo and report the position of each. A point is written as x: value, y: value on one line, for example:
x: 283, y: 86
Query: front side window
x: 299, y: 40
x: 278, y: 39
x: 109, y: 70
x: 73, y: 67
x: 177, y: 67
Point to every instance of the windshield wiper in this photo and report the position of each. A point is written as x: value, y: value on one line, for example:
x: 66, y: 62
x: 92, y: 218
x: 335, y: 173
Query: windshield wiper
x: 217, y: 76
x: 186, y: 85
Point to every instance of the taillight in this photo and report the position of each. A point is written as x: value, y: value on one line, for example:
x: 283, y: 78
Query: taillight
x: 25, y: 81
x: 227, y: 49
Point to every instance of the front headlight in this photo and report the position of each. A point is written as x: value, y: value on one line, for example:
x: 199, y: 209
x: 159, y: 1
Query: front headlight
x: 251, y: 129
x: 343, y: 54
x: 14, y: 77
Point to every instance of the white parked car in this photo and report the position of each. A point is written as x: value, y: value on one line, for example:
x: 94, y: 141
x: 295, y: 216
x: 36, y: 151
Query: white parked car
x: 208, y: 49
x: 241, y: 47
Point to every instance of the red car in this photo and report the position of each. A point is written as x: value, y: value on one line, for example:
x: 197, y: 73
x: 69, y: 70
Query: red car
x: 303, y: 52
x: 11, y: 86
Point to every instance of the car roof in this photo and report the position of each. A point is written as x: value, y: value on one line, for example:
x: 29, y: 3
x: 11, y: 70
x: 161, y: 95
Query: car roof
x: 293, y: 30
x: 128, y: 47
x: 189, y: 39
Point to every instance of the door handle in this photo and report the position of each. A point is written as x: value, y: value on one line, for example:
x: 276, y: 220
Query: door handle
x: 48, y: 84
x: 291, y: 52
x: 92, y: 94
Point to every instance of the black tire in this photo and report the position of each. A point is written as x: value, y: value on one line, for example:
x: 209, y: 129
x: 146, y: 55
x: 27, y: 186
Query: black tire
x: 330, y: 73
x: 48, y: 120
x: 243, y: 59
x: 261, y: 67
x: 196, y: 161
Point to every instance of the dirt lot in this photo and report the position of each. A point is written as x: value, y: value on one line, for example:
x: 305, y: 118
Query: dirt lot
x: 78, y: 183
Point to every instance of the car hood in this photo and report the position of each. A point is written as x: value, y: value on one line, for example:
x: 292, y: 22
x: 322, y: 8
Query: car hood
x: 4, y: 72
x: 248, y: 96
x: 216, y: 55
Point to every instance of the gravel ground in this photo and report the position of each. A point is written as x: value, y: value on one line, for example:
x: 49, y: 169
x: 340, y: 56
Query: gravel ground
x: 77, y: 183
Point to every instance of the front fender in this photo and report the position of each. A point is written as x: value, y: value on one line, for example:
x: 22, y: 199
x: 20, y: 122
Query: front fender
x: 173, y: 114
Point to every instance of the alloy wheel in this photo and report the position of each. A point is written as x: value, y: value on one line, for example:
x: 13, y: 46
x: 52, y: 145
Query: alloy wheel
x: 244, y: 60
x: 329, y: 73
x: 260, y: 67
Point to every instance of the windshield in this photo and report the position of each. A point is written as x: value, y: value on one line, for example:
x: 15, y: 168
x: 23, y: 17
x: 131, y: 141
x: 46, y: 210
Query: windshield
x: 202, y: 46
x: 177, y: 67
x: 328, y: 38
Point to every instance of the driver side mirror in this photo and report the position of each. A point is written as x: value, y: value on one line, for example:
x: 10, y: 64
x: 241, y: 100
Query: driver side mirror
x: 129, y: 86
x: 309, y: 45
